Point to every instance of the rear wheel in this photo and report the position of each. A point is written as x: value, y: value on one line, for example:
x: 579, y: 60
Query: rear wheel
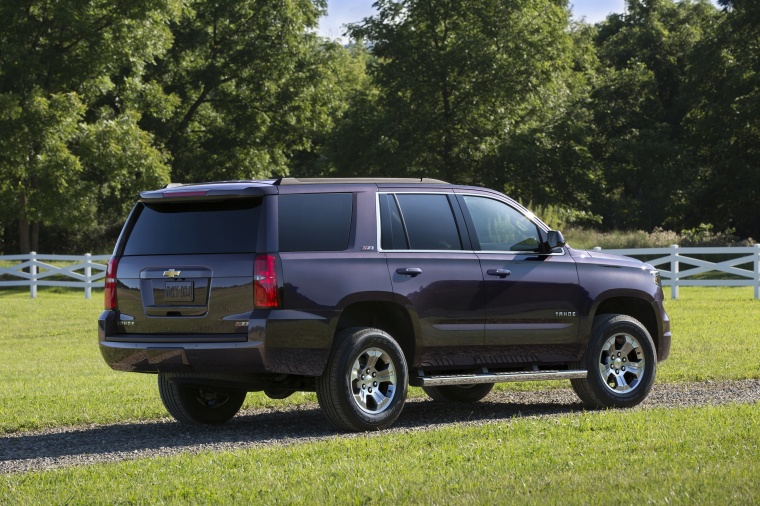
x: 621, y: 362
x: 459, y: 393
x: 365, y: 382
x: 196, y: 404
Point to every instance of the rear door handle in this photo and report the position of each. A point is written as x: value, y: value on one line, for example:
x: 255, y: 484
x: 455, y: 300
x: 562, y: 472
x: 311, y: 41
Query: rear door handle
x: 499, y: 273
x: 409, y: 271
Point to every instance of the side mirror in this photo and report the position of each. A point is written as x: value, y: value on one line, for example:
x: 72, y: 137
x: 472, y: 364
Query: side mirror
x: 554, y: 239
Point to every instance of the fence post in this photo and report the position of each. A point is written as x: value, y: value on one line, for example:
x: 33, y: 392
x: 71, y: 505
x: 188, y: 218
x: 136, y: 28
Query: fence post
x: 33, y: 273
x: 674, y: 271
x: 757, y: 271
x: 87, y: 276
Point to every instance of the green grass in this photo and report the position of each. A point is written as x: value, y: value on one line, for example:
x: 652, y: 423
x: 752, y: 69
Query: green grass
x: 53, y: 375
x: 706, y: 455
x: 716, y: 335
x: 52, y: 371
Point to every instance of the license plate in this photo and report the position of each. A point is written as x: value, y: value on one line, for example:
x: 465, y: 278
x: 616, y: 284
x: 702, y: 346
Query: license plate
x: 178, y: 291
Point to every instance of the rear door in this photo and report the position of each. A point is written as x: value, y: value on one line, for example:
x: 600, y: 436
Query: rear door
x: 187, y: 268
x: 434, y: 272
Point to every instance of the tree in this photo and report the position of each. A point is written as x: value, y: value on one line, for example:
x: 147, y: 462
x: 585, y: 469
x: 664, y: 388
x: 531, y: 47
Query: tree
x: 547, y: 160
x: 246, y: 88
x: 347, y: 145
x: 457, y: 77
x: 61, y: 68
x: 723, y: 123
x: 639, y: 104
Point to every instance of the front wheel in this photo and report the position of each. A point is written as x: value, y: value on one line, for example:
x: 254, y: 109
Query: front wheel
x: 196, y: 404
x: 621, y: 362
x: 365, y: 382
x: 459, y: 393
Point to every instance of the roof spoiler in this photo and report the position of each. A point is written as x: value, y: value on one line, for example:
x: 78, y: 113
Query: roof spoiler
x: 357, y: 180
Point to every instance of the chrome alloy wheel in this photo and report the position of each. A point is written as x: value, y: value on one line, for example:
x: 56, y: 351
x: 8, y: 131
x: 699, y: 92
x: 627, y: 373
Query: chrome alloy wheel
x: 621, y: 363
x: 373, y: 380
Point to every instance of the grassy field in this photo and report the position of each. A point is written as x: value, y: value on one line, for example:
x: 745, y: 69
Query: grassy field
x: 706, y: 455
x: 688, y: 456
x: 53, y: 375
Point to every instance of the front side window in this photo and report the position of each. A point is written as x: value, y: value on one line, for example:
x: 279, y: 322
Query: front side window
x: 500, y: 227
x: 429, y: 222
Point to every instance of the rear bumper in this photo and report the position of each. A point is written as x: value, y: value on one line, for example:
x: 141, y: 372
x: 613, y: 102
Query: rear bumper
x: 183, y: 357
x: 282, y: 342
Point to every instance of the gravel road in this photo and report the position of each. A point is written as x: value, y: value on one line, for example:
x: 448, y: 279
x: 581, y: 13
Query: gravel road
x: 71, y: 446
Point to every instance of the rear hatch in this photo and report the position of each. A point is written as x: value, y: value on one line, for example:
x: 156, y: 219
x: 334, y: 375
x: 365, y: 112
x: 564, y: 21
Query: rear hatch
x: 186, y: 268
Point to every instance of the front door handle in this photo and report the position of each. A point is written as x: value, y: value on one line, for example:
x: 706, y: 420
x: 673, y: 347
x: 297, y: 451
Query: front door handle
x: 499, y: 273
x: 409, y: 271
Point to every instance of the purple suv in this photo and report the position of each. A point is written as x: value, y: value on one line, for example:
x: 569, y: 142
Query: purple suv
x: 357, y: 288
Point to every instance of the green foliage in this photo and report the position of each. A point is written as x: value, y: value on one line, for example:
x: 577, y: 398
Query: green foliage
x: 648, y: 119
x: 547, y: 158
x: 723, y: 124
x: 586, y: 238
x: 38, y: 169
x: 560, y: 217
x: 61, y: 64
x: 247, y: 88
x: 639, y: 102
x: 455, y: 77
x: 704, y: 235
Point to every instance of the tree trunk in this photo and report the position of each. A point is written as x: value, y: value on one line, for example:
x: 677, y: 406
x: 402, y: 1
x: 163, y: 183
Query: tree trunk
x: 24, y: 240
x: 35, y: 236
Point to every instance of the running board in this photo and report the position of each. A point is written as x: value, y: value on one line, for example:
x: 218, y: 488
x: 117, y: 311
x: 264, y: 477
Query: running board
x: 499, y: 377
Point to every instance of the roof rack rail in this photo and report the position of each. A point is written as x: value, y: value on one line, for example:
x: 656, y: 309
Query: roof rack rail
x: 328, y: 180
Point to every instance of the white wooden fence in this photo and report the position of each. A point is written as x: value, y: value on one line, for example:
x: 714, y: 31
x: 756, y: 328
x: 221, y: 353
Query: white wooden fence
x: 33, y: 270
x: 678, y: 267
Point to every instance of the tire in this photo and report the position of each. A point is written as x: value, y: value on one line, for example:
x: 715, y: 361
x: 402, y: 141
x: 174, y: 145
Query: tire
x: 459, y: 393
x: 365, y: 382
x: 621, y: 361
x: 198, y: 405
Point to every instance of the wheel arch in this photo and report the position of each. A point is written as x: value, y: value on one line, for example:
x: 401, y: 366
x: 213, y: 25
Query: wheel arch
x: 386, y: 316
x: 634, y: 307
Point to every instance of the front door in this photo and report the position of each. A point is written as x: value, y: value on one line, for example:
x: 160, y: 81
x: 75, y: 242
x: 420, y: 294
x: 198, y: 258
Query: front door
x: 532, y: 296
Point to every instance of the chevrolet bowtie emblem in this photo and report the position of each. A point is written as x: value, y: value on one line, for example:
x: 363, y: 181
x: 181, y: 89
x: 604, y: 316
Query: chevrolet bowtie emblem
x: 171, y: 273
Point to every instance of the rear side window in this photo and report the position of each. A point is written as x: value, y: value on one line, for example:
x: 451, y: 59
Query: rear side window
x: 315, y: 222
x: 393, y: 235
x: 228, y: 226
x: 429, y: 222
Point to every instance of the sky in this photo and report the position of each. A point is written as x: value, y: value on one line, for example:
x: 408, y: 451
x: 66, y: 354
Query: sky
x: 340, y: 12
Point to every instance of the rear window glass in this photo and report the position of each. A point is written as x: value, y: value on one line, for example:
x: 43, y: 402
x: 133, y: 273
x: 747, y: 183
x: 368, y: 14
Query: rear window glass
x: 315, y: 222
x: 229, y: 226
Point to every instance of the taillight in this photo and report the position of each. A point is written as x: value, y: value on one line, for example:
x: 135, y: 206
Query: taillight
x: 266, y: 294
x: 110, y: 291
